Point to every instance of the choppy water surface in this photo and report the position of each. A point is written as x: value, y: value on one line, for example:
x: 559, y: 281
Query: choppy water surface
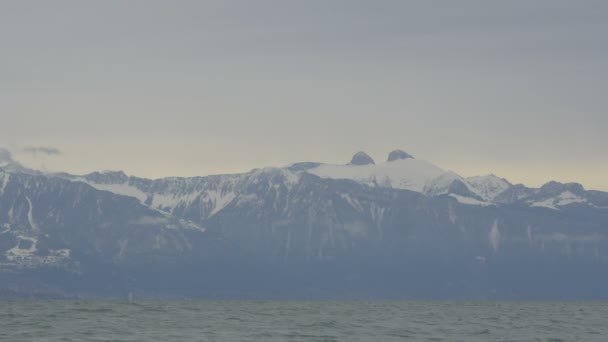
x: 301, y: 321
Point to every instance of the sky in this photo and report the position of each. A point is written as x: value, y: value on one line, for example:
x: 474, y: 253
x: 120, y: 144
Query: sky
x: 185, y: 88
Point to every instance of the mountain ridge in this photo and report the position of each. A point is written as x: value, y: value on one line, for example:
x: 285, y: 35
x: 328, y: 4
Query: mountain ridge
x: 434, y: 180
x: 109, y: 233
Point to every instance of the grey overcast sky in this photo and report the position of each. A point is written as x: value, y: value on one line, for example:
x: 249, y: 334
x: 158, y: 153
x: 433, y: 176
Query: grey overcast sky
x: 159, y: 88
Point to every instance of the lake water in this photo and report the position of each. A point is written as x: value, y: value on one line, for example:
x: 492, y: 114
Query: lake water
x: 34, y: 320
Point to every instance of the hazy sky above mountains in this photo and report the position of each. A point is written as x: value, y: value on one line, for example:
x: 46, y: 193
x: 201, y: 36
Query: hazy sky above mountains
x: 159, y: 88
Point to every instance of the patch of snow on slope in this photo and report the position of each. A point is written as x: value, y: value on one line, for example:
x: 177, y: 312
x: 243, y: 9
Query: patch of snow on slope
x: 123, y: 189
x: 17, y: 252
x: 61, y: 253
x: 5, y: 179
x: 352, y: 202
x: 488, y: 187
x: 191, y: 225
x: 560, y: 200
x: 494, y: 236
x: 598, y: 207
x: 30, y: 216
x: 440, y: 185
x: 409, y: 174
x: 291, y: 178
x: 161, y: 201
x: 469, y: 201
x: 7, y: 228
x: 568, y: 197
x: 377, y: 214
x: 548, y: 203
x: 11, y: 215
x: 218, y: 200
x: 287, y: 177
x: 247, y: 199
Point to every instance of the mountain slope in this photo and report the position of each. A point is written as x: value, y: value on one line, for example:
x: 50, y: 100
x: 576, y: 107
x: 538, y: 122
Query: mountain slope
x: 307, y: 230
x: 49, y: 220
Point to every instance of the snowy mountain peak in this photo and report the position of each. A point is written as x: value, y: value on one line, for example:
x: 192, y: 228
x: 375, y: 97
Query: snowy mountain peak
x: 361, y: 158
x: 441, y: 184
x: 398, y: 155
x: 408, y: 174
x: 488, y: 187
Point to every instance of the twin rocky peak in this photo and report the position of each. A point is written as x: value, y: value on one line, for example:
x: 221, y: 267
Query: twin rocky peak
x: 362, y: 158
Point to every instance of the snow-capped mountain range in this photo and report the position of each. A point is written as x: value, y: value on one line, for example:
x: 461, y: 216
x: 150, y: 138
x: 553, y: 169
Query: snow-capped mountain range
x: 400, y: 171
x: 107, y: 232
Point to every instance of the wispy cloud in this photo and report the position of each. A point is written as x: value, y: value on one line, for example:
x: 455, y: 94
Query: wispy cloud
x: 5, y: 155
x: 46, y: 150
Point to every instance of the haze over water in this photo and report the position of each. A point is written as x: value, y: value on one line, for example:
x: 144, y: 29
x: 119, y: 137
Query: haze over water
x: 301, y: 321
